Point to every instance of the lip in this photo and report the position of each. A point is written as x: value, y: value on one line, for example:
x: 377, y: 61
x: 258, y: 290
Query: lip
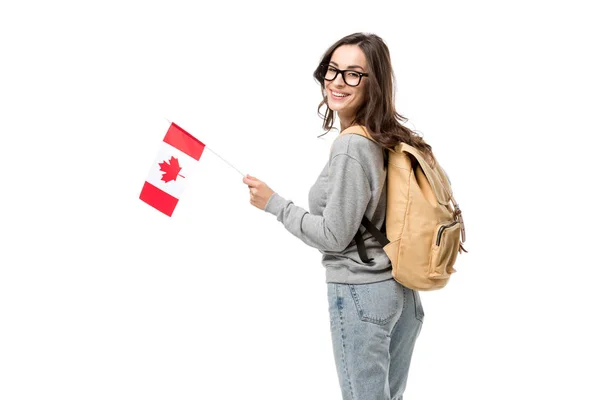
x: 338, y: 98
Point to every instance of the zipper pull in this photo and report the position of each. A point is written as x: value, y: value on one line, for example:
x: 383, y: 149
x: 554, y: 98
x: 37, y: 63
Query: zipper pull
x: 458, y: 216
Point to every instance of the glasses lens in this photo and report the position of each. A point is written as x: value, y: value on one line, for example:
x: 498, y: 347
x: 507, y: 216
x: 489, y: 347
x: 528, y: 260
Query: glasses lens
x: 330, y: 73
x: 351, y: 78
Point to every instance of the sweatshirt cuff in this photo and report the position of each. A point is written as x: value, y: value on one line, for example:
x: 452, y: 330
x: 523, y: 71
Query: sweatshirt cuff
x: 275, y: 204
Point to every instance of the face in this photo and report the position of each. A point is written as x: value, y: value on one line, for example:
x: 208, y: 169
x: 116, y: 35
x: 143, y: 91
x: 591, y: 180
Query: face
x: 341, y: 97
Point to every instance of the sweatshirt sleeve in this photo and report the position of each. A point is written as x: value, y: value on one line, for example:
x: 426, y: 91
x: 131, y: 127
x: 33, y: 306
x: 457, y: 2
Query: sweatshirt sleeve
x: 348, y: 195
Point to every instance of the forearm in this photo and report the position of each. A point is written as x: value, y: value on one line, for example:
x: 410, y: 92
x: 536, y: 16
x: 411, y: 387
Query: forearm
x: 348, y: 195
x: 311, y: 229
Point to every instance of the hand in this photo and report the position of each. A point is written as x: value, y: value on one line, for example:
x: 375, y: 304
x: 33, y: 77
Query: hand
x: 259, y: 192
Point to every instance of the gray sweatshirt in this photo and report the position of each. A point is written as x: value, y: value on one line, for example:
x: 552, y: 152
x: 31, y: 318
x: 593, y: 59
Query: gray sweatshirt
x: 352, y: 184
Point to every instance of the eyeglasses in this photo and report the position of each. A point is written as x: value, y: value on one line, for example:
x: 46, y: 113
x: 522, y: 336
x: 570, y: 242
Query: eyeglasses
x: 351, y: 77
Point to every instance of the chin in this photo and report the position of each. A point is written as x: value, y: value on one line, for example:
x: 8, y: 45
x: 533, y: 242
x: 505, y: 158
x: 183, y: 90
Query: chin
x: 340, y: 107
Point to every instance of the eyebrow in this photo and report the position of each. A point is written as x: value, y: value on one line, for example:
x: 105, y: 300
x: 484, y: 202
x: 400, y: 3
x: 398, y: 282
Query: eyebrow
x: 349, y: 66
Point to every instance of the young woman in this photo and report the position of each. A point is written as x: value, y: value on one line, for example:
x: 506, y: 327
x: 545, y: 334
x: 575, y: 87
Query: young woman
x: 375, y: 320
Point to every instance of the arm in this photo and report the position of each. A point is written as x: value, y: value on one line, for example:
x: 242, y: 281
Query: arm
x: 348, y: 194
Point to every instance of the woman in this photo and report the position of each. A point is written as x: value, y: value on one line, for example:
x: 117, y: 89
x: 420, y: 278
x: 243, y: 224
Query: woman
x: 375, y: 320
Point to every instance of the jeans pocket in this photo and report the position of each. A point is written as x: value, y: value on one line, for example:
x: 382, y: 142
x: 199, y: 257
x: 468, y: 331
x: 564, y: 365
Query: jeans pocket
x: 419, y: 312
x: 378, y: 302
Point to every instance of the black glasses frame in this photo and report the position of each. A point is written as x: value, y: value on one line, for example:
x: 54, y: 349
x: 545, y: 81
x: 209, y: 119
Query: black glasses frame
x: 343, y: 71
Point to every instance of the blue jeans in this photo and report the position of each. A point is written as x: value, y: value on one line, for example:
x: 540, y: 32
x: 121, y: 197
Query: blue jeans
x: 374, y: 327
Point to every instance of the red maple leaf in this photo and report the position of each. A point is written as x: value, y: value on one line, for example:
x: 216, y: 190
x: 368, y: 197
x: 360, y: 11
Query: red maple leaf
x: 171, y: 171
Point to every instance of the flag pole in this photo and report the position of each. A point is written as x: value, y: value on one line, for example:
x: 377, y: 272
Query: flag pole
x: 231, y: 165
x: 227, y: 162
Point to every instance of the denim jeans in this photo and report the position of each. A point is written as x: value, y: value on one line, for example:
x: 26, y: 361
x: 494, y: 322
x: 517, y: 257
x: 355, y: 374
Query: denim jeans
x: 374, y: 327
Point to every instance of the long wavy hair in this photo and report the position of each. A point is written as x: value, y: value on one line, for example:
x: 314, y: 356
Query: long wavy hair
x: 378, y: 112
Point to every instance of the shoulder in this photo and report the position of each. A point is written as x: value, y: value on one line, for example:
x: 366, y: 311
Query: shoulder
x: 357, y: 147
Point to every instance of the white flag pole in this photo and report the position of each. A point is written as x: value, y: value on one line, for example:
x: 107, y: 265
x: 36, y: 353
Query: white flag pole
x: 228, y: 163
x: 231, y: 165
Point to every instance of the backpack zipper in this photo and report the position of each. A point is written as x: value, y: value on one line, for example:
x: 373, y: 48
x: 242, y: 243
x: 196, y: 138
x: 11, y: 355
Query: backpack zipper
x: 439, y: 236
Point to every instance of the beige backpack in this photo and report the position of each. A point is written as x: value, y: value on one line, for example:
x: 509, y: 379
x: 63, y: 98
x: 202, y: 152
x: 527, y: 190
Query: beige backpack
x: 423, y: 226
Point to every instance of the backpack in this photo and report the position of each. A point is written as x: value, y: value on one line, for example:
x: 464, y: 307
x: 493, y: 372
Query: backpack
x: 424, y: 228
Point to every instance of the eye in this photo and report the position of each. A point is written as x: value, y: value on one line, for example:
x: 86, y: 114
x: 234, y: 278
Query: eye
x: 353, y: 74
x: 330, y: 69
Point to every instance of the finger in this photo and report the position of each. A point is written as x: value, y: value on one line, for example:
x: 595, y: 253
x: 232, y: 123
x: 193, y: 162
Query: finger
x: 251, y: 183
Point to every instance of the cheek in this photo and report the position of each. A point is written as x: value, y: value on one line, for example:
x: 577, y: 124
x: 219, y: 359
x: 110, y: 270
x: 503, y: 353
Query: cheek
x: 360, y: 97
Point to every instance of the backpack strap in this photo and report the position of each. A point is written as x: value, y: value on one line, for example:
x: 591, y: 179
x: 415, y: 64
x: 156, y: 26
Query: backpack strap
x: 362, y: 250
x: 358, y: 130
x: 377, y: 234
x: 360, y: 243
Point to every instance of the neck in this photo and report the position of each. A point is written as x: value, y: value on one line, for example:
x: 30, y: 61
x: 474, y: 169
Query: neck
x: 346, y: 120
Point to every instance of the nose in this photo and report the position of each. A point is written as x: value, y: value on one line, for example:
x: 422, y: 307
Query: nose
x: 339, y: 80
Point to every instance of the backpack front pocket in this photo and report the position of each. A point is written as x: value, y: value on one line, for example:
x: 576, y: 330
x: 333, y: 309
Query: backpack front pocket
x: 444, y: 249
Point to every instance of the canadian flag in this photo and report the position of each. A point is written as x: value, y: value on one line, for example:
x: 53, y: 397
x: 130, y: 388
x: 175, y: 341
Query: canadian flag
x: 169, y: 173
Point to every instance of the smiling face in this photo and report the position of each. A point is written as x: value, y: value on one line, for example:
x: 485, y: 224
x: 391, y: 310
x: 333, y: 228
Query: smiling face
x: 345, y: 99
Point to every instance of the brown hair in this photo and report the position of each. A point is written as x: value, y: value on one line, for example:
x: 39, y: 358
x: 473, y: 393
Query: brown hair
x: 378, y: 113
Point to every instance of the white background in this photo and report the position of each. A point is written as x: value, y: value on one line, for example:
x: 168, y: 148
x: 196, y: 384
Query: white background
x: 103, y: 297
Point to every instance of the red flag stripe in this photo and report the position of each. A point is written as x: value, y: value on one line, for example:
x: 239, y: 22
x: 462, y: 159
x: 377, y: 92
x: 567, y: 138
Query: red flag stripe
x: 183, y: 141
x: 158, y: 199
